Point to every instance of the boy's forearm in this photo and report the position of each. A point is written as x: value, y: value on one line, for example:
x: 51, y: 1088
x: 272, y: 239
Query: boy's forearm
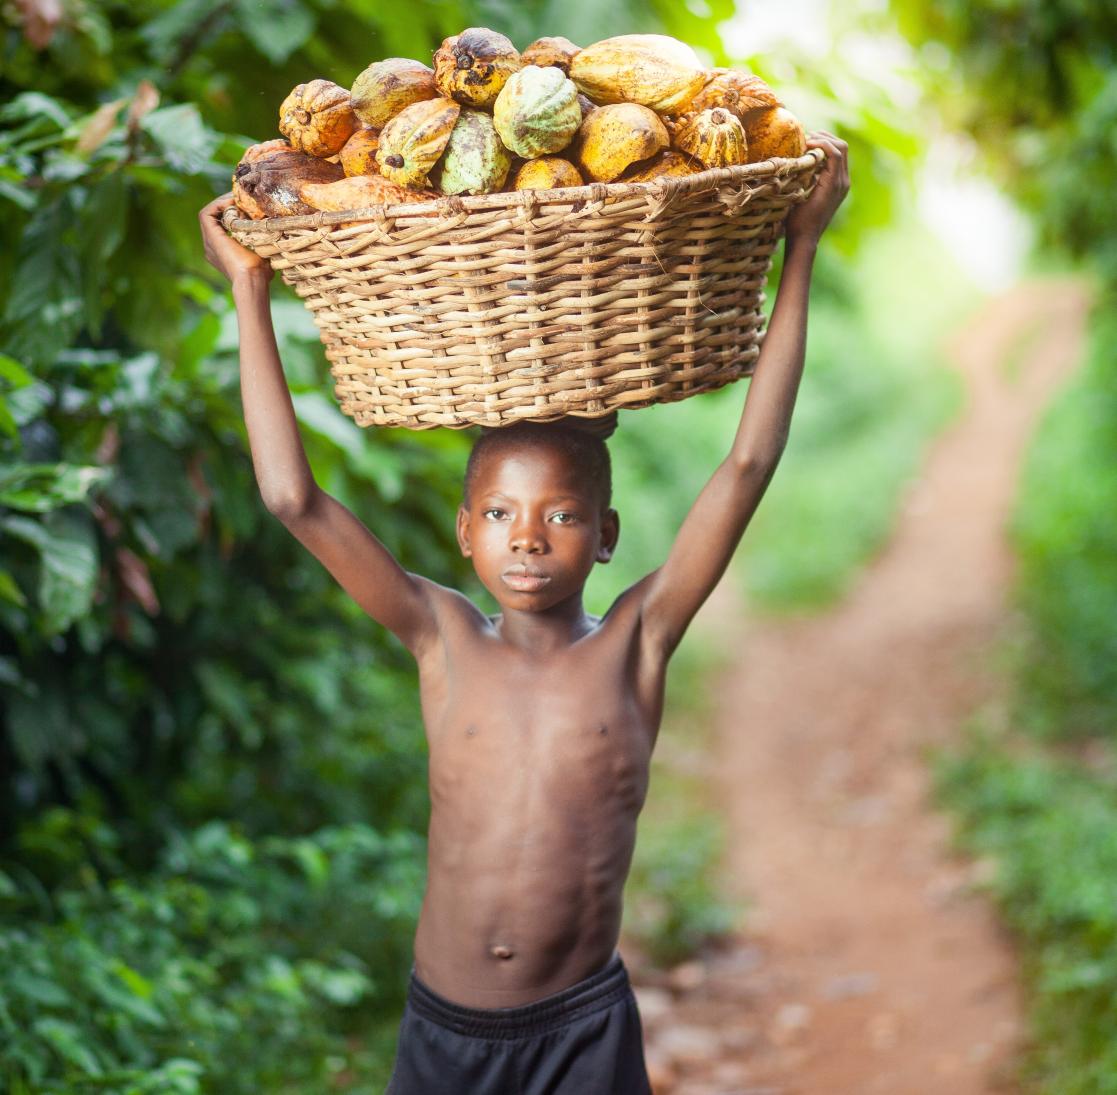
x: 766, y: 418
x: 282, y: 471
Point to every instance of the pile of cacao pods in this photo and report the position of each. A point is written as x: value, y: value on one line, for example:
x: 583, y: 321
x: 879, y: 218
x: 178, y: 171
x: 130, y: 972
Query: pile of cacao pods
x: 488, y: 118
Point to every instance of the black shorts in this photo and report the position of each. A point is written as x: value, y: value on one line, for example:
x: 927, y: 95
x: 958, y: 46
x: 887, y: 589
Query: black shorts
x: 585, y: 1040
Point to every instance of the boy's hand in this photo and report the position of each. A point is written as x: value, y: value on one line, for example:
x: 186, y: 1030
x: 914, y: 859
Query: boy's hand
x: 809, y: 220
x: 237, y: 263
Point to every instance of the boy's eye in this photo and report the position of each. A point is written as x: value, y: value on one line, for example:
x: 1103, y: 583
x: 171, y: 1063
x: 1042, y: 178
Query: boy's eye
x: 493, y: 513
x: 564, y: 518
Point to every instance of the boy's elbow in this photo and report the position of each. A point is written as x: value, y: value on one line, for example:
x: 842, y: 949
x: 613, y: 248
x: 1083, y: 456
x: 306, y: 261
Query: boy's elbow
x: 759, y: 462
x: 288, y: 507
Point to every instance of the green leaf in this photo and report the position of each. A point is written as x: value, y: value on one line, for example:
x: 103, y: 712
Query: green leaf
x: 39, y: 488
x: 275, y: 27
x: 10, y: 591
x: 182, y: 137
x: 68, y: 1041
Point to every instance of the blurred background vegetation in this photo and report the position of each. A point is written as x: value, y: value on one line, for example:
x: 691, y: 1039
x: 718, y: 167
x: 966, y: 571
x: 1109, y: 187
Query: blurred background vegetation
x: 212, y: 797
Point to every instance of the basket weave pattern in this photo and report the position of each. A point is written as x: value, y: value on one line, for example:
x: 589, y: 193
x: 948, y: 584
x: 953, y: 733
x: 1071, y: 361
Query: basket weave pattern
x: 493, y: 309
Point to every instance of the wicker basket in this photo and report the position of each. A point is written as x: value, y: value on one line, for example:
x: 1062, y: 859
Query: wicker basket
x: 537, y: 304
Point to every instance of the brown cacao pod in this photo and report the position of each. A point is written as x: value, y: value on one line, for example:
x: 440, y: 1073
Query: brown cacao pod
x: 264, y: 149
x: 359, y: 192
x: 546, y: 173
x: 358, y: 154
x: 669, y: 164
x: 774, y: 132
x: 716, y: 138
x: 411, y: 143
x: 269, y: 186
x: 473, y: 66
x: 736, y: 91
x: 616, y: 136
x: 317, y: 118
x: 587, y: 104
x: 550, y: 53
x: 386, y: 87
x: 475, y: 160
x: 651, y: 69
x: 537, y: 111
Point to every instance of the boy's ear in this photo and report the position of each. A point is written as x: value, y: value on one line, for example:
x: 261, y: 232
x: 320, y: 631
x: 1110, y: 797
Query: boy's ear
x: 462, y: 530
x: 610, y: 534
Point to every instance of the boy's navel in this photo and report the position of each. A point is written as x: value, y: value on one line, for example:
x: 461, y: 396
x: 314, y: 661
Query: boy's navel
x: 501, y: 951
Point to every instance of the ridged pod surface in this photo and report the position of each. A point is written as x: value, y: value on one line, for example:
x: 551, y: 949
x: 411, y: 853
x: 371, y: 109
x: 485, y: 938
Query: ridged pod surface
x: 736, y: 91
x: 358, y: 193
x: 537, y: 111
x: 411, y: 143
x: 651, y: 69
x: 268, y: 186
x: 317, y: 118
x: 550, y: 53
x: 473, y: 66
x: 475, y: 160
x: 264, y: 149
x: 774, y: 132
x: 358, y: 154
x: 546, y: 173
x: 616, y: 136
x: 716, y: 138
x: 667, y: 165
x: 387, y: 87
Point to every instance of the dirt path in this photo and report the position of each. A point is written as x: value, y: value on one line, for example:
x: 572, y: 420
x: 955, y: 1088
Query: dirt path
x: 867, y: 963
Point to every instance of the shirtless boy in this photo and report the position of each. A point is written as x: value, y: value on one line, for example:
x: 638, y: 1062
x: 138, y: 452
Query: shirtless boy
x: 540, y: 721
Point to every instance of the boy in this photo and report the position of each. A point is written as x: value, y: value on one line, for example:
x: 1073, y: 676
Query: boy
x: 540, y: 721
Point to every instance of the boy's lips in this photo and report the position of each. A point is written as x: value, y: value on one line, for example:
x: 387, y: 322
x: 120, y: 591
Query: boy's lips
x: 525, y: 579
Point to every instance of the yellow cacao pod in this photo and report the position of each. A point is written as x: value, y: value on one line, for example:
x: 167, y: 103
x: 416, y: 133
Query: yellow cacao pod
x: 774, y: 132
x: 386, y: 87
x: 358, y: 154
x: 359, y: 192
x: 546, y: 173
x: 411, y: 143
x: 268, y: 185
x: 667, y: 165
x: 550, y: 53
x: 616, y: 136
x: 317, y: 118
x: 475, y: 160
x: 736, y: 91
x: 537, y: 112
x: 473, y: 66
x: 716, y: 138
x: 264, y: 149
x: 651, y: 69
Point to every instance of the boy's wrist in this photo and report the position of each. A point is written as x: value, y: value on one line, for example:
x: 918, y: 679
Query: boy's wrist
x: 802, y: 241
x: 251, y: 282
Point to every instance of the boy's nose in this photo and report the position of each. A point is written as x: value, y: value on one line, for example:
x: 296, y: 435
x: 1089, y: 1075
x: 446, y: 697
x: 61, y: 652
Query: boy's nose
x: 527, y: 538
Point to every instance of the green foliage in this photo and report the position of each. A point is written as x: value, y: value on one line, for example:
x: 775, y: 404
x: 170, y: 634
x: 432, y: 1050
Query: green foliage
x: 1050, y: 830
x: 234, y: 966
x: 1065, y: 529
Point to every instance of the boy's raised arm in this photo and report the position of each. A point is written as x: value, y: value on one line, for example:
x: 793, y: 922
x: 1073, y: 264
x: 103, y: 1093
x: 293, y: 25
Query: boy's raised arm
x: 341, y: 542
x: 715, y: 523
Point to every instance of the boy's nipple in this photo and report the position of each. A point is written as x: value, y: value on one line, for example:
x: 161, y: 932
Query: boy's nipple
x: 501, y: 951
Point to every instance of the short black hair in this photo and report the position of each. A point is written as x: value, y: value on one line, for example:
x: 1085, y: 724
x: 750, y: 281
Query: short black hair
x: 586, y: 451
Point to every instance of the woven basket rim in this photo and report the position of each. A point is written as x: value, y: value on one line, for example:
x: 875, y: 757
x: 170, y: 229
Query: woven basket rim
x: 527, y: 199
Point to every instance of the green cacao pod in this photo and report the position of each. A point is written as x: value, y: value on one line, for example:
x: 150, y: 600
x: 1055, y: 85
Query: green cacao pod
x: 537, y: 112
x: 475, y: 160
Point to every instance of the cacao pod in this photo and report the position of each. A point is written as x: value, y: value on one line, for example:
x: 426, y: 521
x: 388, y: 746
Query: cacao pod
x: 411, y: 143
x: 616, y: 136
x: 669, y: 164
x: 475, y: 160
x: 358, y: 154
x: 546, y: 173
x: 386, y: 87
x: 269, y: 185
x: 359, y: 192
x: 651, y: 69
x: 317, y: 118
x: 473, y: 66
x: 550, y: 53
x: 266, y: 148
x: 774, y: 132
x: 716, y: 138
x: 587, y: 105
x: 537, y: 111
x: 736, y: 91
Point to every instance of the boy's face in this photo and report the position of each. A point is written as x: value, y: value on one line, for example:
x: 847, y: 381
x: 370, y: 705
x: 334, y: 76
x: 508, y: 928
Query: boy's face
x: 532, y: 529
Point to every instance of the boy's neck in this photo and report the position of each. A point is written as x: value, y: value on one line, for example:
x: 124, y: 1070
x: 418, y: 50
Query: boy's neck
x: 545, y: 632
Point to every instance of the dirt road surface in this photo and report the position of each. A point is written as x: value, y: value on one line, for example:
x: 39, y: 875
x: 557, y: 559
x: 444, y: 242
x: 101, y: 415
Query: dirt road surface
x: 867, y: 961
